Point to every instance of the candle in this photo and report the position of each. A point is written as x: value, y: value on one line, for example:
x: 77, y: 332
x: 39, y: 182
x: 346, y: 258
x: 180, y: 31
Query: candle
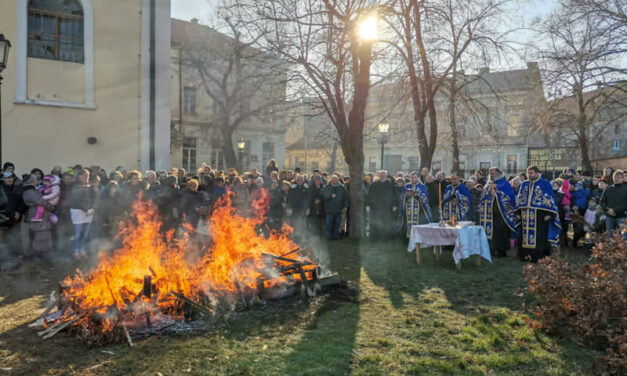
x: 440, y: 194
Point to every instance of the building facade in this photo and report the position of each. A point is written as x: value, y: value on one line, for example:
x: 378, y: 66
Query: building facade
x: 312, y: 140
x: 252, y: 99
x: 495, y: 116
x: 558, y: 147
x: 87, y: 82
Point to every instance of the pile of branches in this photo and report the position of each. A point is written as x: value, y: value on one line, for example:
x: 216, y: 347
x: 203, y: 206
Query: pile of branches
x: 588, y: 302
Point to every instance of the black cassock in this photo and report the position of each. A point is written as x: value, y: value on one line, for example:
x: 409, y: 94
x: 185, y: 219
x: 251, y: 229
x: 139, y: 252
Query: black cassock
x: 500, y: 233
x: 382, y: 197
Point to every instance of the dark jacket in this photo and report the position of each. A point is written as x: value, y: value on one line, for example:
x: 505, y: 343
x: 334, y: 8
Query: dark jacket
x: 432, y: 189
x: 382, y: 196
x: 82, y: 197
x: 334, y: 205
x: 12, y: 205
x: 298, y: 199
x: 615, y: 197
x: 192, y: 203
x: 315, y: 193
x: 277, y: 199
x: 168, y: 202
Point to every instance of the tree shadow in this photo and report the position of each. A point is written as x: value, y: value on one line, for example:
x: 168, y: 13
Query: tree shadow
x: 326, y: 347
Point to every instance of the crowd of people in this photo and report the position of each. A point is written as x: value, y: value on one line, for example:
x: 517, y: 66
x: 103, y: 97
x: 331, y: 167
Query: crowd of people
x: 75, y: 208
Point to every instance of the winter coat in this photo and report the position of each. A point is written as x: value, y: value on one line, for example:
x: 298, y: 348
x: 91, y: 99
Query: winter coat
x: 615, y: 198
x: 580, y: 198
x: 192, y: 203
x: 298, y: 199
x: 334, y: 205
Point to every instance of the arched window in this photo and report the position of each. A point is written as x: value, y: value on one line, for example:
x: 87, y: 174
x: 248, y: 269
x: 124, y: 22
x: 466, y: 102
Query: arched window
x: 55, y: 30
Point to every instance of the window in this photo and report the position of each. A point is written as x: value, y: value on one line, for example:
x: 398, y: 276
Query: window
x: 616, y: 145
x: 617, y: 129
x: 189, y: 100
x: 513, y: 125
x: 512, y: 163
x: 314, y: 165
x: 267, y: 151
x: 55, y: 30
x: 414, y: 163
x: 217, y: 159
x: 189, y: 154
x: 372, y: 164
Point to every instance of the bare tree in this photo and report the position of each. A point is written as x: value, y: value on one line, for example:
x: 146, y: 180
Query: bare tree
x: 431, y: 37
x: 321, y: 40
x: 469, y: 34
x: 582, y: 70
x: 244, y: 84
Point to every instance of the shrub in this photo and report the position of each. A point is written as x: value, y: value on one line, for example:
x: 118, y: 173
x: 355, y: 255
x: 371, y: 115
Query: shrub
x: 588, y: 301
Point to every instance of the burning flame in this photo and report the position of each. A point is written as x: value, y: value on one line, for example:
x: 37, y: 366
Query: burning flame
x: 236, y: 261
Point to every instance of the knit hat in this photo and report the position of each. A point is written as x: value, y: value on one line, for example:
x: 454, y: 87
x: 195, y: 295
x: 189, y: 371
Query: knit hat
x: 49, y: 178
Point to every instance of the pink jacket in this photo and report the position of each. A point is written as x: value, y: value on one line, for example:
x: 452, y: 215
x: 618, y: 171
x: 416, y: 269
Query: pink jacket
x: 566, y: 190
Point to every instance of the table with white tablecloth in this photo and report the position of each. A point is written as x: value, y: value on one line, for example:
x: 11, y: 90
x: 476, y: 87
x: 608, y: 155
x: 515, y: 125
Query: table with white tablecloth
x: 468, y: 240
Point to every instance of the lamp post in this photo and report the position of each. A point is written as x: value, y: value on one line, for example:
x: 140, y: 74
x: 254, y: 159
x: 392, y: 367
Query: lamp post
x: 5, y: 45
x: 383, y: 134
x: 241, y: 144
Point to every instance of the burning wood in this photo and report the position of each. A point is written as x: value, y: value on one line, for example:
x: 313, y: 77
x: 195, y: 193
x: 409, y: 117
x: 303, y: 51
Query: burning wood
x: 149, y: 279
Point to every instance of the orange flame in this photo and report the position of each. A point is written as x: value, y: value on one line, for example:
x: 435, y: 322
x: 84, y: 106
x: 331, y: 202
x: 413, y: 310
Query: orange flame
x: 234, y: 261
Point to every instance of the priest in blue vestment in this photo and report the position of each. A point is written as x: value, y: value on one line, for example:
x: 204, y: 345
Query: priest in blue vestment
x: 539, y: 218
x: 497, y: 213
x: 456, y: 202
x: 415, y: 203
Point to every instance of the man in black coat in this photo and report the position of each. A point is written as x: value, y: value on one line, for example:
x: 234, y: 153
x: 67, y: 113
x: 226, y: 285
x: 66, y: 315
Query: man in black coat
x: 382, y: 204
x: 335, y: 202
x: 298, y: 204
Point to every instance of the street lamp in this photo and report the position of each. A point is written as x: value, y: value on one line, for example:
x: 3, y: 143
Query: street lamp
x: 383, y: 134
x: 241, y: 144
x: 5, y: 45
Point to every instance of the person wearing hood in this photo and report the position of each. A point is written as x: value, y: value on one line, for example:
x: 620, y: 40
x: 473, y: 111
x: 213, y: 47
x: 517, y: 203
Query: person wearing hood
x: 36, y: 235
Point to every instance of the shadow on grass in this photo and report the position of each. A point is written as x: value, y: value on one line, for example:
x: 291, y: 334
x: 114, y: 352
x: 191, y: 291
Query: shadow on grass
x: 326, y: 347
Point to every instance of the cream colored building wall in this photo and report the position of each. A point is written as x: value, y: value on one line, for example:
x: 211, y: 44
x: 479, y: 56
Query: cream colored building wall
x: 51, y: 80
x: 42, y: 136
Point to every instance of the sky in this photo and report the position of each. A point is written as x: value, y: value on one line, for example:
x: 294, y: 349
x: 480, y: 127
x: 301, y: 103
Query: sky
x: 523, y: 13
x: 201, y: 9
x: 188, y: 9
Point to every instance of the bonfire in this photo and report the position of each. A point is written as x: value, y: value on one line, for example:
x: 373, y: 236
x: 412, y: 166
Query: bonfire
x: 155, y: 278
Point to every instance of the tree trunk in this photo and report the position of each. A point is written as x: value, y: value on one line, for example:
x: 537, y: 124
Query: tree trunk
x: 332, y: 158
x: 230, y: 157
x: 352, y: 136
x: 582, y: 121
x: 453, y: 122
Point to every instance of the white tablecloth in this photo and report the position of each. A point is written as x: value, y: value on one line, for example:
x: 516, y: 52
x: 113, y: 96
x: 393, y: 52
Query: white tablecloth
x: 468, y: 240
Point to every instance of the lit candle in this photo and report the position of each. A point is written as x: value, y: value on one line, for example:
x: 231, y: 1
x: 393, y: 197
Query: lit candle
x: 440, y: 193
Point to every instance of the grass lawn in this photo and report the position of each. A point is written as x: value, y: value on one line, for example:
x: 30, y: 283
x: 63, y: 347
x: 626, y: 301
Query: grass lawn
x: 404, y: 319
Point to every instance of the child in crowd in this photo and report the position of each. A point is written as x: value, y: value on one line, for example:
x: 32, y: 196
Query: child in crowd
x: 51, y: 192
x: 590, y: 219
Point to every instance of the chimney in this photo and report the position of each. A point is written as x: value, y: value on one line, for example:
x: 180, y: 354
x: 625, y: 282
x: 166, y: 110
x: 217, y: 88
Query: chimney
x: 533, y: 72
x: 194, y: 21
x: 532, y: 66
x: 484, y: 71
